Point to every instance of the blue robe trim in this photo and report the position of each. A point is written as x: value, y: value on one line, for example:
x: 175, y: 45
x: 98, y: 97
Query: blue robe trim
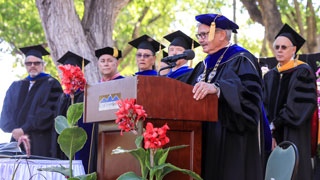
x: 147, y: 73
x: 39, y: 76
x: 179, y: 72
x: 212, y: 59
x: 267, y: 132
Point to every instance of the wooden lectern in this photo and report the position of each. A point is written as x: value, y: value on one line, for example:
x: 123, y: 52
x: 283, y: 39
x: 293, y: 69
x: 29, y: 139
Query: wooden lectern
x: 165, y: 100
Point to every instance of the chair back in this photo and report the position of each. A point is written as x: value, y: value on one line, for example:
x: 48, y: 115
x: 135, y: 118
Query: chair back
x: 282, y: 162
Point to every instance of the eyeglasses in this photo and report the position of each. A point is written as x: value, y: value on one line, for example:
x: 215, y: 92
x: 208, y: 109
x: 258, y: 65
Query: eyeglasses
x: 283, y: 47
x: 37, y: 63
x: 145, y: 56
x: 202, y: 35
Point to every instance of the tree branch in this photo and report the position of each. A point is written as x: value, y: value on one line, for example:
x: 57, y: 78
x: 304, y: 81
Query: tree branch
x: 254, y: 11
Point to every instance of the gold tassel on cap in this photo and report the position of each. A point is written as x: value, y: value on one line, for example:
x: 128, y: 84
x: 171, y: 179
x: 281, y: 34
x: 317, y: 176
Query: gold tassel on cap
x: 192, y: 47
x: 159, y: 57
x: 212, y: 29
x: 115, y: 52
x: 83, y: 65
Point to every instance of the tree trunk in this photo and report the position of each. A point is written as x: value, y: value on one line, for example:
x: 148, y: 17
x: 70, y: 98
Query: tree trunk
x: 311, y: 28
x: 65, y: 32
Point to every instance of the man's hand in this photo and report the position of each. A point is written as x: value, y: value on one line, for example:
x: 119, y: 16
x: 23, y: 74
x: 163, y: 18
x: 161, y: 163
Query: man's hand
x: 201, y: 89
x: 26, y: 143
x: 16, y: 133
x: 274, y: 144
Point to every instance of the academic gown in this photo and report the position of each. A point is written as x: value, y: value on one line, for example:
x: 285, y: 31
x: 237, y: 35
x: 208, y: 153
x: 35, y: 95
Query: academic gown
x: 33, y: 111
x: 290, y: 100
x: 181, y: 74
x: 231, y: 148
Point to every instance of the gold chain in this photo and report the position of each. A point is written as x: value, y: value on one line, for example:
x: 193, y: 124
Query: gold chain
x: 215, y: 66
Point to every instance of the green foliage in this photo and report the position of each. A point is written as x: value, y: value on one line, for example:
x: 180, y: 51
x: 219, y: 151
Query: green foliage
x: 60, y: 169
x: 21, y: 26
x: 72, y: 140
x: 92, y: 176
x: 74, y: 113
x: 159, y: 169
x: 61, y: 123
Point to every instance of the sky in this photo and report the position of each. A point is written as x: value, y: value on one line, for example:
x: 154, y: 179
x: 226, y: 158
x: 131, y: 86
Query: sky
x: 9, y: 74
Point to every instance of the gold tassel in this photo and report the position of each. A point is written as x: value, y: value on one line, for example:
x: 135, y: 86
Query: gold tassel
x: 159, y: 58
x: 83, y: 65
x: 213, y: 28
x: 115, y: 52
x: 192, y: 47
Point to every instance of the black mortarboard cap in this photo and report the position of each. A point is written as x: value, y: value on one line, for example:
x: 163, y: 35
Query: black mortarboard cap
x: 179, y: 38
x: 292, y: 35
x: 221, y: 21
x: 109, y: 50
x: 37, y: 51
x: 146, y: 42
x: 73, y: 59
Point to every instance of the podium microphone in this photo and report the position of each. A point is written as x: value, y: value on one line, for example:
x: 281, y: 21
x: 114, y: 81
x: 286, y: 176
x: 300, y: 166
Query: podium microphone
x: 187, y: 55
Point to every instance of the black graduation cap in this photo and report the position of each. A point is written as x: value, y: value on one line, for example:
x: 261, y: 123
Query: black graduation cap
x: 292, y: 35
x: 37, y: 51
x: 73, y: 59
x: 146, y: 42
x: 109, y: 50
x: 220, y: 21
x: 179, y: 38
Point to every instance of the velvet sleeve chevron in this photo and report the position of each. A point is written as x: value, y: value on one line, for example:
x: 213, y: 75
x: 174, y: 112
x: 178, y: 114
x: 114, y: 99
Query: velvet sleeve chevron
x: 43, y: 117
x: 241, y: 95
x: 301, y: 99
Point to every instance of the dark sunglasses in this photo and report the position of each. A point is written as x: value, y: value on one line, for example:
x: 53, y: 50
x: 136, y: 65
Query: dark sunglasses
x: 143, y: 55
x: 283, y: 47
x: 37, y: 63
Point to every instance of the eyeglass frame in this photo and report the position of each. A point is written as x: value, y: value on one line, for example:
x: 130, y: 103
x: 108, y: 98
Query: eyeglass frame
x: 283, y: 47
x: 36, y: 63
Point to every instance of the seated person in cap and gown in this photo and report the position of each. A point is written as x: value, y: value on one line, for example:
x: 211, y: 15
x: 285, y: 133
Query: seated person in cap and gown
x: 108, y: 61
x: 233, y: 147
x: 290, y: 98
x: 164, y: 72
x: 146, y: 54
x: 179, y: 42
x: 29, y: 105
x: 63, y: 105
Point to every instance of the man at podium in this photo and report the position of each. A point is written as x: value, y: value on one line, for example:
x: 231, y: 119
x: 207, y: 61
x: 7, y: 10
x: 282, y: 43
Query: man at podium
x: 231, y: 148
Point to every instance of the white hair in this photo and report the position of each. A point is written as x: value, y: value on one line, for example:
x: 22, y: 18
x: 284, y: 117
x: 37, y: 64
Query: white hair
x: 228, y: 34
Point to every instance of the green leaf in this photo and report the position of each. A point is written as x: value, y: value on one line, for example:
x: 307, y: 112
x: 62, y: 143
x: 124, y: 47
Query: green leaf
x: 74, y: 113
x: 129, y: 176
x: 73, y: 178
x: 167, y: 168
x: 92, y: 176
x: 61, y: 123
x: 59, y: 169
x: 139, y: 153
x: 72, y: 140
x: 175, y: 147
x: 139, y: 141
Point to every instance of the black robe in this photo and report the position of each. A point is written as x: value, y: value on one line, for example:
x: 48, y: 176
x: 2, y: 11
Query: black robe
x: 231, y: 148
x: 33, y: 111
x: 290, y: 99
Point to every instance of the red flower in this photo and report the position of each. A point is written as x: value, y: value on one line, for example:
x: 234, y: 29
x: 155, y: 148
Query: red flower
x: 155, y: 138
x: 72, y: 78
x: 129, y: 114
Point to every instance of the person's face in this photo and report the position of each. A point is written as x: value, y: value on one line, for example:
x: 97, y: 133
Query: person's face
x: 107, y: 65
x: 284, y: 49
x: 145, y: 59
x: 176, y: 50
x: 34, y: 66
x: 203, y: 34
